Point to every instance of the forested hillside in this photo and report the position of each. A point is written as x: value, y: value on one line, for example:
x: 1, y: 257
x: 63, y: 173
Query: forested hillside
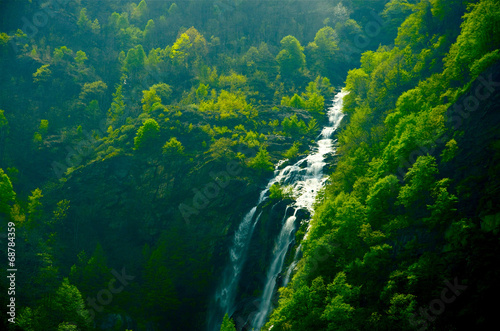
x: 135, y: 136
x: 406, y: 236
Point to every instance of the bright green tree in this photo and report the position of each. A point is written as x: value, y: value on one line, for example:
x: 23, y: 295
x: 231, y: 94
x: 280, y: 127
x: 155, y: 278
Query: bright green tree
x: 150, y: 99
x: 382, y: 196
x: 419, y: 181
x: 291, y: 58
x: 262, y: 161
x: 323, y: 50
x: 63, y: 310
x: 221, y: 148
x: 3, y: 120
x: 147, y: 135
x: 173, y: 147
x: 117, y: 105
x: 135, y: 59
x: 4, y: 131
x: 7, y: 194
x: 227, y: 324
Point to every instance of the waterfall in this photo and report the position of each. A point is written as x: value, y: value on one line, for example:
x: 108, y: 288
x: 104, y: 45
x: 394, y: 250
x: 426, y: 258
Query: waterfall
x: 306, y: 178
x: 292, y: 266
x: 282, y: 243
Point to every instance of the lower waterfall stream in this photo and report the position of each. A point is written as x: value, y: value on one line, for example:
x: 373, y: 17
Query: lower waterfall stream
x: 306, y: 178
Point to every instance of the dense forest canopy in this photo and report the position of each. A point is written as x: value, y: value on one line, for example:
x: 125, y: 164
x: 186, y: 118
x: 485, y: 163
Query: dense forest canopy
x: 135, y: 135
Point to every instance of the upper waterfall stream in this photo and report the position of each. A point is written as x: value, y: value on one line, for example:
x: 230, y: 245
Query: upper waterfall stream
x: 306, y: 178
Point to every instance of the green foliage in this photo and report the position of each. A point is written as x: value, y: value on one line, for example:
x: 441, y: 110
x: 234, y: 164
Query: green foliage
x: 65, y: 311
x: 483, y: 63
x: 381, y: 197
x: 85, y: 24
x: 450, y: 151
x: 117, y: 105
x: 80, y: 57
x: 158, y: 292
x: 69, y: 305
x: 201, y: 92
x: 7, y: 194
x: 173, y: 147
x: 140, y: 11
x: 315, y: 103
x: 476, y: 40
x: 262, y: 161
x: 44, y: 127
x: 3, y: 120
x: 291, y: 58
x: 189, y: 46
x: 251, y: 139
x: 419, y: 180
x: 147, y: 135
x: 228, y: 106
x: 338, y: 312
x: 221, y: 148
x: 42, y: 74
x: 94, y: 90
x: 379, y: 247
x: 227, y: 324
x: 278, y: 192
x: 62, y: 54
x: 293, y: 151
x: 297, y: 102
x: 294, y: 127
x: 324, y: 50
x: 150, y: 100
x: 135, y: 59
x: 35, y: 209
x: 312, y: 126
x: 234, y: 81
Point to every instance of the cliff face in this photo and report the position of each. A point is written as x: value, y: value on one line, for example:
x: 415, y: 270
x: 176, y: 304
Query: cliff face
x: 125, y: 203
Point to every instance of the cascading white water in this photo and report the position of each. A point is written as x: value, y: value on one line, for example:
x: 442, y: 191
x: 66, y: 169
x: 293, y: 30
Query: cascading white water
x: 280, y: 251
x: 305, y: 188
x: 292, y: 266
x: 306, y: 178
x: 226, y: 293
x: 237, y: 255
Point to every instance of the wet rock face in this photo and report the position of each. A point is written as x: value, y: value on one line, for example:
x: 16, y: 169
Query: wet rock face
x: 260, y: 253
